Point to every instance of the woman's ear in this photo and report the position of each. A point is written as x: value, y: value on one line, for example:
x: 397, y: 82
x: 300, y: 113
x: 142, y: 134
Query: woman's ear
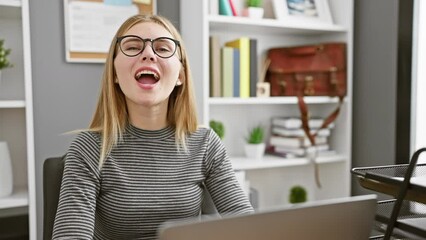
x: 181, y: 78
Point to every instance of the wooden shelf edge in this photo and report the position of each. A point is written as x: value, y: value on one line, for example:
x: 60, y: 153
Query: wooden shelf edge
x: 274, y: 23
x: 12, y: 103
x: 270, y: 100
x: 243, y: 163
x: 11, y: 3
x: 19, y: 198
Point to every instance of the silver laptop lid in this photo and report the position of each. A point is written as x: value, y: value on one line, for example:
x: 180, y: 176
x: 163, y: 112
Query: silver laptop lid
x: 341, y: 218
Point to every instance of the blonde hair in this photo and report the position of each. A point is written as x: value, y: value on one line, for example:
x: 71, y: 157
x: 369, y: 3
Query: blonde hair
x: 111, y: 116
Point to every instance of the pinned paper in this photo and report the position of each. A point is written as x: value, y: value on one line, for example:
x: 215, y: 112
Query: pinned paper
x: 143, y: 1
x: 118, y: 2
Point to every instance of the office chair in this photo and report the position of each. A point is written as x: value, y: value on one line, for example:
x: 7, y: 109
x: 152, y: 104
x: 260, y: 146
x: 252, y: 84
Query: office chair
x: 53, y: 169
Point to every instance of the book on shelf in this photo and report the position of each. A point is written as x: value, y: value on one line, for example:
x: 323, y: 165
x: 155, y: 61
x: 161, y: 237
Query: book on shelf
x: 227, y: 73
x: 233, y: 9
x: 214, y: 7
x: 225, y: 8
x: 236, y: 72
x: 299, y: 132
x: 253, y: 67
x: 277, y: 140
x: 302, y: 151
x: 296, y: 122
x: 215, y: 68
x: 243, y: 44
x: 270, y: 151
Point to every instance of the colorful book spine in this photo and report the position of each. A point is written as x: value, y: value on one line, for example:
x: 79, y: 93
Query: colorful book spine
x: 225, y: 8
x: 215, y: 68
x: 227, y: 71
x: 243, y: 44
x: 234, y: 11
x: 253, y: 67
x: 236, y: 67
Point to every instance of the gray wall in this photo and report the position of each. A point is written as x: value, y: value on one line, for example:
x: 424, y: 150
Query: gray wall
x: 64, y: 94
x: 375, y: 81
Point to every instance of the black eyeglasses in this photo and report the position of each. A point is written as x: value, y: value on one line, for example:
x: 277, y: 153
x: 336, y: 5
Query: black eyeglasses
x: 131, y: 45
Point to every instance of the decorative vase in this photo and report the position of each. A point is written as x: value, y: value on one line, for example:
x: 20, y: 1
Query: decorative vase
x: 253, y: 12
x: 6, y: 178
x: 255, y: 151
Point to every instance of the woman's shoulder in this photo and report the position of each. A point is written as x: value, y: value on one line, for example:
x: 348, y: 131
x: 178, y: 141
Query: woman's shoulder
x: 86, y: 139
x: 205, y: 134
x: 203, y: 131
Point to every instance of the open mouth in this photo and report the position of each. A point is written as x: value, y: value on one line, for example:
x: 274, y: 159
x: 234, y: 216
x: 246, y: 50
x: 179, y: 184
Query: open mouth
x: 147, y: 77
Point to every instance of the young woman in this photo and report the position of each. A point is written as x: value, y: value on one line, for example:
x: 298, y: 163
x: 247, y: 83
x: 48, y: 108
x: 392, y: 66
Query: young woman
x: 143, y: 160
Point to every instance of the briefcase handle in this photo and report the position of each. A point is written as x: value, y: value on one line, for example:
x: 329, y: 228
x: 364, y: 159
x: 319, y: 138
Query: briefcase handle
x: 304, y: 115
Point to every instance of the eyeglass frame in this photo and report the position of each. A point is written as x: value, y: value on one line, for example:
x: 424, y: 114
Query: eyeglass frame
x: 144, y: 40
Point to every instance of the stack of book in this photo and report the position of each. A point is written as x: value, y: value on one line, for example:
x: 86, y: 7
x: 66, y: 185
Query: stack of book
x: 289, y: 139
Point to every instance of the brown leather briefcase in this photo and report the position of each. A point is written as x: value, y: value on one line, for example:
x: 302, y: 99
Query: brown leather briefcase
x: 310, y: 70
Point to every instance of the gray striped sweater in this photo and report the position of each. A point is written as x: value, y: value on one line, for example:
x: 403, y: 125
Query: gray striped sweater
x: 145, y: 181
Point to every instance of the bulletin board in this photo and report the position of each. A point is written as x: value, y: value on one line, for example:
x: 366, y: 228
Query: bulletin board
x: 90, y: 25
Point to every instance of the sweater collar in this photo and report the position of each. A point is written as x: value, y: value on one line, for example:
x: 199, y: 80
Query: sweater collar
x: 164, y: 133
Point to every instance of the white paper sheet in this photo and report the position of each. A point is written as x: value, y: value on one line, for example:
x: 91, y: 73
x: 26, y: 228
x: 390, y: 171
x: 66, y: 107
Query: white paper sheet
x: 92, y: 25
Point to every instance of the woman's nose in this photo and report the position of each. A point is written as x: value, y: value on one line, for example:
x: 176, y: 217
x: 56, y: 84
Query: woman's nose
x: 148, y: 52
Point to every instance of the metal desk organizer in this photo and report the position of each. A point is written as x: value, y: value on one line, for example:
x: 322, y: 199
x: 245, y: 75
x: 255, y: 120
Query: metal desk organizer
x: 405, y: 215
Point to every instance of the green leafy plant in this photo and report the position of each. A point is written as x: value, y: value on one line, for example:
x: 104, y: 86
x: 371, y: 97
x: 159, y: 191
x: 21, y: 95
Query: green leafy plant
x: 256, y: 135
x: 254, y: 3
x: 218, y: 128
x: 4, y: 52
x: 298, y: 194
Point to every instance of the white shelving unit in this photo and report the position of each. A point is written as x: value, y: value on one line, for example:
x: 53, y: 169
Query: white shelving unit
x: 272, y: 176
x: 16, y: 111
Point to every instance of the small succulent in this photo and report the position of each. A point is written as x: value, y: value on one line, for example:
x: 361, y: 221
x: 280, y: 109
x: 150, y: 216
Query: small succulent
x: 297, y: 194
x: 4, y: 52
x: 218, y: 128
x: 254, y: 3
x: 256, y: 135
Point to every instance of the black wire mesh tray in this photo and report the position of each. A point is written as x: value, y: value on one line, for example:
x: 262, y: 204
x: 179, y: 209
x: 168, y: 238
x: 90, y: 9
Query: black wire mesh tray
x: 389, y: 179
x: 411, y: 221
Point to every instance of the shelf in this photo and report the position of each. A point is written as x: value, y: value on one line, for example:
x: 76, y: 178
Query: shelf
x: 271, y: 26
x: 19, y: 198
x: 11, y: 3
x: 270, y: 100
x: 12, y: 104
x: 268, y: 161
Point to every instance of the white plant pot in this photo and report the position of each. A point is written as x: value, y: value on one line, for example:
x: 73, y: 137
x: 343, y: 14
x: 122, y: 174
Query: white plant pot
x: 254, y: 151
x: 253, y: 12
x: 6, y: 177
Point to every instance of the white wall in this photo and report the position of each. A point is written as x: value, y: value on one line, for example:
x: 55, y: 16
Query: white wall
x: 418, y: 116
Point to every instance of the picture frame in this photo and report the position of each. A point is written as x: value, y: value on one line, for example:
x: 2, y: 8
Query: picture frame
x: 91, y: 24
x: 307, y: 11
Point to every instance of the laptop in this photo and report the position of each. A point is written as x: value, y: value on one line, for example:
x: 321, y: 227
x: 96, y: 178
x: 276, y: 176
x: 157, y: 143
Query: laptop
x: 340, y: 218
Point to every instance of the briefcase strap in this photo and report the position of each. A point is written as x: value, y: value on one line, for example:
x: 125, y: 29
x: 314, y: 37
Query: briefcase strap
x: 304, y: 115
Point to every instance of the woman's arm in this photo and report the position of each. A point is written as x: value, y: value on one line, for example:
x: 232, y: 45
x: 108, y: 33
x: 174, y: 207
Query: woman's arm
x: 221, y: 182
x: 75, y: 217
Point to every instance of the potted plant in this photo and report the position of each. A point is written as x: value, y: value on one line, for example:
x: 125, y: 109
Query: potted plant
x: 298, y: 194
x: 254, y: 9
x: 4, y: 53
x: 218, y: 128
x: 255, y: 146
